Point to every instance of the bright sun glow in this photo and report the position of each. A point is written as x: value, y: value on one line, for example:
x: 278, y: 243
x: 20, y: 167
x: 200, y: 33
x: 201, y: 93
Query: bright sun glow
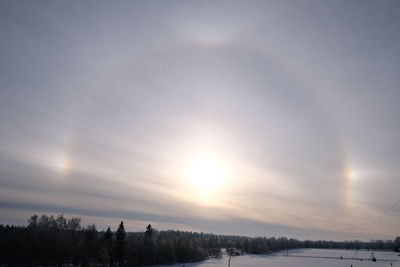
x: 353, y: 174
x: 61, y: 164
x: 207, y: 173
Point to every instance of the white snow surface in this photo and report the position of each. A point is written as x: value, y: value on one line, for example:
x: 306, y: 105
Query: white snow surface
x: 304, y: 258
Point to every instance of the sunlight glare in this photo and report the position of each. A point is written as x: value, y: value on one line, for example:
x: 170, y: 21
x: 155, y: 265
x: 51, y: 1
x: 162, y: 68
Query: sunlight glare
x: 207, y: 173
x: 61, y: 164
x: 353, y: 174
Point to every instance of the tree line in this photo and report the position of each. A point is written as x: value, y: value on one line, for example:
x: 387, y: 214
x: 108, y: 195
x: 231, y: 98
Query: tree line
x: 49, y: 241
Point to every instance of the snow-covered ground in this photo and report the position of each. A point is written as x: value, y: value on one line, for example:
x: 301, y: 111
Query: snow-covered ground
x: 305, y: 258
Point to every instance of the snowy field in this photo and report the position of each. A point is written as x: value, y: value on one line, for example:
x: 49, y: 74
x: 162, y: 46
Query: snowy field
x: 305, y: 258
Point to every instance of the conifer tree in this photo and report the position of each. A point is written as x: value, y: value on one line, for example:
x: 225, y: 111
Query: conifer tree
x: 120, y: 238
x: 149, y: 230
x: 108, y: 245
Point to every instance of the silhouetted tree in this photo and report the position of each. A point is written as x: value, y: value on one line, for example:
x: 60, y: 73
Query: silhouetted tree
x: 91, y: 244
x: 396, y: 244
x: 149, y: 230
x: 120, y: 239
x: 150, y: 246
x: 108, y: 253
x: 74, y: 224
x: 33, y: 221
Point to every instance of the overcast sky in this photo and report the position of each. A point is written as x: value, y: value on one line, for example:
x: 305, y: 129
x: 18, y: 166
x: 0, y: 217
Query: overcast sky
x: 235, y: 117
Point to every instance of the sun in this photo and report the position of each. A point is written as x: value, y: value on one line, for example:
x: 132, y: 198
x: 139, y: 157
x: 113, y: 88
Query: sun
x: 207, y: 172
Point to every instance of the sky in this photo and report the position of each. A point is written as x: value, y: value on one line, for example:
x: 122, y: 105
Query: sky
x: 258, y: 118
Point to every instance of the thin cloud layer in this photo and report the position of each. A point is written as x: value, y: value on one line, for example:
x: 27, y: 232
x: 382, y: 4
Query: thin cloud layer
x: 262, y: 118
